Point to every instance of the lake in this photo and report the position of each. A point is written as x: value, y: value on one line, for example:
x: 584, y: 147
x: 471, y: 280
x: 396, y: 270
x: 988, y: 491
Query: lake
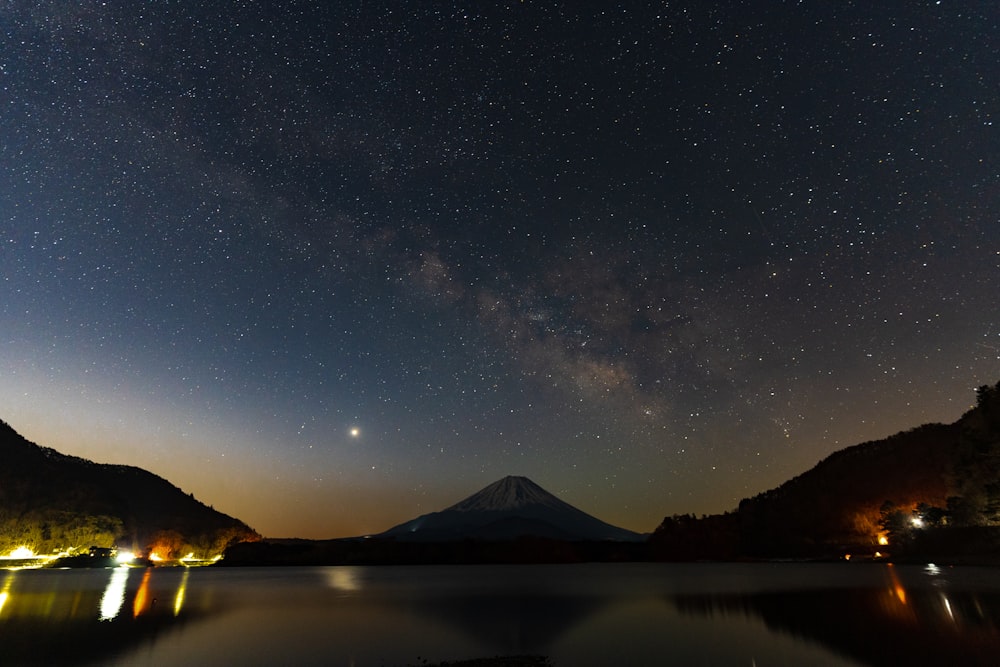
x: 591, y: 614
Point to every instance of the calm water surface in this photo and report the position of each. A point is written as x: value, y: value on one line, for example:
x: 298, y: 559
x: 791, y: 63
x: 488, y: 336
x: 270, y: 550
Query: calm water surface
x: 599, y: 614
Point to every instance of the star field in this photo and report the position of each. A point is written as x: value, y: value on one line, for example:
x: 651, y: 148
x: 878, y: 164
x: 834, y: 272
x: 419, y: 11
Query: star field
x: 328, y: 268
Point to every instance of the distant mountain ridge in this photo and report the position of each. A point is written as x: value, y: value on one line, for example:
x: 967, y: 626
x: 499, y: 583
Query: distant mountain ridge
x: 50, y: 500
x: 507, y: 509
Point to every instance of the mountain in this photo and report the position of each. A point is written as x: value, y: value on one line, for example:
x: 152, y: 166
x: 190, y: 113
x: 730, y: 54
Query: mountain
x: 507, y: 509
x: 51, y: 501
x: 886, y: 495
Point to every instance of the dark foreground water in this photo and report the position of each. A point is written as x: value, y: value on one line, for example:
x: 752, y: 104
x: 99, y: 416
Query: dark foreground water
x: 601, y: 614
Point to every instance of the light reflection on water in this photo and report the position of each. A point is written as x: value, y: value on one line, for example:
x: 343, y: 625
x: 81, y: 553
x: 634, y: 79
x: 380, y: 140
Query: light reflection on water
x: 181, y: 591
x: 139, y: 604
x: 5, y: 590
x: 817, y: 614
x: 344, y: 579
x: 114, y: 595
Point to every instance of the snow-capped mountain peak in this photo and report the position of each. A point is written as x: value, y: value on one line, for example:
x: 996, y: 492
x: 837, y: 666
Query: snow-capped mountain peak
x: 507, y: 509
x: 509, y: 493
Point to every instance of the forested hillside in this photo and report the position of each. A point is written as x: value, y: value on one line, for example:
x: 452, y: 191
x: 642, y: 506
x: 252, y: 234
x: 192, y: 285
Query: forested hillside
x: 50, y: 502
x: 930, y: 485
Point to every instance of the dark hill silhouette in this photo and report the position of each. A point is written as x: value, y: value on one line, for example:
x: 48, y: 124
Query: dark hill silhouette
x: 941, y: 475
x: 49, y: 500
x: 507, y: 509
x: 839, y: 501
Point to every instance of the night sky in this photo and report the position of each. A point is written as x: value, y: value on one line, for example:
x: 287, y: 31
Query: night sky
x: 329, y: 266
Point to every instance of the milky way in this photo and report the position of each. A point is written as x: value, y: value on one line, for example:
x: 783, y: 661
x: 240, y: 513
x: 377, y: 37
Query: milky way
x: 331, y: 267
